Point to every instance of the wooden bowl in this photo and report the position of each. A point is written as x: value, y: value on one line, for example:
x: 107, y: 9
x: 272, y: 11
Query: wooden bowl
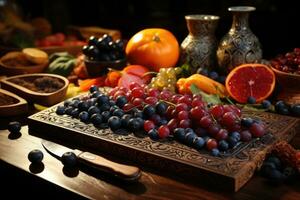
x: 8, y: 69
x: 290, y: 90
x: 19, y: 105
x: 42, y: 98
x: 99, y: 68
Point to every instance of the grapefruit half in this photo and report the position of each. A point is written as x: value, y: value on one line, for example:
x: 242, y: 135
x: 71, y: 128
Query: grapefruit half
x: 256, y: 80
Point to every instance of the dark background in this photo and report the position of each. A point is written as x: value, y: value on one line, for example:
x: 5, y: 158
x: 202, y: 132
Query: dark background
x: 274, y: 22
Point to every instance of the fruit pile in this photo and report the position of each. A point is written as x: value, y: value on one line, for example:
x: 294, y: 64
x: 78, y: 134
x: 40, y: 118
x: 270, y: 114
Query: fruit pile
x: 104, y: 49
x: 288, y: 62
x: 165, y: 115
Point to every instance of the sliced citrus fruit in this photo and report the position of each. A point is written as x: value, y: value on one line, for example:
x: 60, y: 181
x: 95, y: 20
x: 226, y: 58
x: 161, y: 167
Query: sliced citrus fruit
x: 255, y: 80
x: 36, y: 56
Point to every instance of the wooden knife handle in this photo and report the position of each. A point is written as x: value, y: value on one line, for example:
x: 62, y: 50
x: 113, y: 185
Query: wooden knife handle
x: 126, y: 172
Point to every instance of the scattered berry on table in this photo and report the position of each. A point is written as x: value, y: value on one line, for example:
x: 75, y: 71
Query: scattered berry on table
x: 69, y: 159
x: 14, y: 127
x: 35, y: 156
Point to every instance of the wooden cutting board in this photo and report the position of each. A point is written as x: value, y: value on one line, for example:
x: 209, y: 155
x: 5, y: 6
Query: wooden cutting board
x: 228, y: 172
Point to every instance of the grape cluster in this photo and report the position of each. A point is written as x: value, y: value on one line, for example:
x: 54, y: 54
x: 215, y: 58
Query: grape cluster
x: 165, y: 115
x: 165, y: 79
x: 289, y: 62
x: 277, y: 171
x: 104, y: 49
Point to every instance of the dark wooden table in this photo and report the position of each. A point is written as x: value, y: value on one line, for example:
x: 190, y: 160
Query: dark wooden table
x: 19, y: 177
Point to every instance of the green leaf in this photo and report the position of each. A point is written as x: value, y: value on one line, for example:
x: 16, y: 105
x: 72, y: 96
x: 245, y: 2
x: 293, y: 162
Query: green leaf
x: 208, y: 98
x: 186, y: 70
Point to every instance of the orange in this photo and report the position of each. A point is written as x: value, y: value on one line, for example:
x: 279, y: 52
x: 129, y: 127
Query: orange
x: 154, y: 48
x: 256, y: 80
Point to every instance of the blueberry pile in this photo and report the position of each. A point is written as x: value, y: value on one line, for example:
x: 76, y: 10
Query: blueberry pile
x: 104, y: 49
x: 276, y: 171
x: 165, y: 115
x: 285, y: 109
x: 214, y: 75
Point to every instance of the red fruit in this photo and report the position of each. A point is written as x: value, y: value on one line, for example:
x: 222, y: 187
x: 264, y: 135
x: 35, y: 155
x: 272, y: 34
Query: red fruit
x: 229, y: 119
x: 246, y: 136
x: 186, y: 123
x: 206, y: 121
x: 127, y: 79
x: 217, y: 111
x: 134, y: 85
x: 180, y: 107
x: 213, y: 130
x: 183, y: 115
x: 151, y: 100
x: 127, y: 107
x: 138, y: 70
x: 148, y: 125
x: 257, y: 130
x: 153, y: 92
x: 298, y: 155
x: 211, y: 144
x: 172, y: 124
x: 163, y: 131
x: 198, y: 113
x: 137, y: 92
x: 222, y: 134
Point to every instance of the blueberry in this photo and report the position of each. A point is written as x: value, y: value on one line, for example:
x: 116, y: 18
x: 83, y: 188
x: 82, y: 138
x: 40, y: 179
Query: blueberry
x: 14, y: 127
x: 83, y: 116
x: 223, y: 145
x: 189, y: 138
x: 134, y: 124
x: 113, y: 108
x: 153, y: 134
x: 232, y: 141
x: 188, y: 130
x: 266, y: 104
x: 105, y: 107
x: 112, y: 102
x: 93, y: 109
x: 91, y: 102
x: 102, y: 99
x: 92, y: 40
x: 213, y: 75
x: 148, y: 111
x: 274, y: 160
x: 295, y: 110
x: 275, y: 175
x: 83, y: 106
x: 138, y: 114
x: 95, y: 94
x: 288, y: 172
x: 161, y: 108
x: 35, y: 156
x: 267, y: 167
x: 204, y: 72
x: 179, y: 134
x: 75, y: 112
x: 114, y: 123
x: 221, y: 79
x: 199, y: 143
x: 74, y: 103
x: 118, y: 112
x: 67, y: 103
x: 236, y: 135
x: 94, y: 88
x: 85, y: 50
x: 121, y: 101
x: 69, y: 159
x: 215, y: 152
x: 96, y: 119
x: 60, y: 110
x: 105, y: 116
x: 282, y: 108
x: 251, y: 100
x: 69, y: 110
x: 163, y: 121
x: 247, y: 122
x: 125, y: 119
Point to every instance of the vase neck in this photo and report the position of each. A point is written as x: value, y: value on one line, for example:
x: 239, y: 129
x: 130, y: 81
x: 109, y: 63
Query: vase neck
x: 240, y: 21
x: 202, y: 25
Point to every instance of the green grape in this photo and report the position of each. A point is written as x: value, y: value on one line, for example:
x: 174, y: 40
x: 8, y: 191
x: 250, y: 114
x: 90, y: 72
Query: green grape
x: 178, y: 70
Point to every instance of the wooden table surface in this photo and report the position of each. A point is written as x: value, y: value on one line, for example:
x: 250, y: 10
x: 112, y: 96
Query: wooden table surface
x: 51, y: 180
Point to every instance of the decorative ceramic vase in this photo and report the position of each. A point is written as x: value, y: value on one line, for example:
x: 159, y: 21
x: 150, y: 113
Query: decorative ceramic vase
x: 198, y: 49
x: 239, y: 45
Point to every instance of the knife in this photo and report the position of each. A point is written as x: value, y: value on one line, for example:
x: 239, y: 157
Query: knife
x: 125, y: 172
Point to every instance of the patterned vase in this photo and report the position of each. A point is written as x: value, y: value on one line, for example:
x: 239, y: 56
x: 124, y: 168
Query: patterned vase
x: 198, y: 49
x: 239, y: 45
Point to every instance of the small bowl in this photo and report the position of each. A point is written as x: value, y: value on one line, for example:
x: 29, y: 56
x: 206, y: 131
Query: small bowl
x: 42, y: 98
x: 18, y: 107
x: 99, y: 68
x: 15, y: 70
x: 290, y: 91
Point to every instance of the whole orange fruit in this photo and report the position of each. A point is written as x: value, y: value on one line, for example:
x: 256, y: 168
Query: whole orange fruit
x: 154, y: 48
x: 256, y: 80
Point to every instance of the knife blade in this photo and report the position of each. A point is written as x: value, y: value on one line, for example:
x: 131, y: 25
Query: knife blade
x: 125, y: 172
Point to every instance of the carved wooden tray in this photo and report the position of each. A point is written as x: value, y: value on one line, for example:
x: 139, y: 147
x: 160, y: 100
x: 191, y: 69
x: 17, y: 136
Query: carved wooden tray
x: 230, y: 171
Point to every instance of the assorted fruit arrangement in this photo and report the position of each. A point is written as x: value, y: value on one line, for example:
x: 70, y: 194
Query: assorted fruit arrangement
x: 289, y: 62
x: 104, y: 49
x: 165, y: 115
